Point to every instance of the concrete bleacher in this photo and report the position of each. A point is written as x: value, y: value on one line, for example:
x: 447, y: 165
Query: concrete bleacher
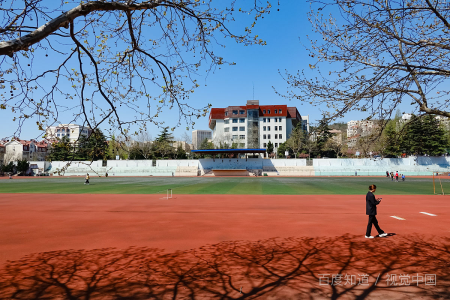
x: 273, y: 167
x: 378, y: 167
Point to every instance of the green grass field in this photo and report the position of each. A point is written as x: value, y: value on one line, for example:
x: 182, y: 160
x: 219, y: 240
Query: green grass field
x: 222, y: 185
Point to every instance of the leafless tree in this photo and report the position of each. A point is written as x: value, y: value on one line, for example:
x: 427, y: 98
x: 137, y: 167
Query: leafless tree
x: 121, y: 62
x: 383, y: 52
x: 144, y: 144
x: 185, y: 137
x: 296, y: 140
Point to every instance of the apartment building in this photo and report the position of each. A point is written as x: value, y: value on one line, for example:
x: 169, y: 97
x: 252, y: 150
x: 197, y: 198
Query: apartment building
x: 72, y: 131
x: 253, y: 125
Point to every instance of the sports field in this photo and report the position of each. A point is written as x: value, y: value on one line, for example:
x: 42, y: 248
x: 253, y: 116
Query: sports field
x: 223, y: 185
x: 222, y: 238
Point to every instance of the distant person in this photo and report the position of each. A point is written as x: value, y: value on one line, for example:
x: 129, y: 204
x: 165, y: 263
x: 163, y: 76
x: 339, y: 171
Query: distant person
x: 392, y: 176
x: 87, y: 179
x: 10, y: 177
x: 403, y: 177
x: 396, y: 176
x: 356, y: 173
x: 387, y: 174
x: 371, y: 211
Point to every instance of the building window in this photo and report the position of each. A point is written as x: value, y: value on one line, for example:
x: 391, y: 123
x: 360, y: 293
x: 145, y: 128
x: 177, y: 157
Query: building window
x: 242, y: 112
x: 279, y: 128
x: 264, y: 120
x: 242, y: 137
x: 280, y: 136
x: 276, y: 119
x: 235, y: 129
x: 280, y: 111
x: 276, y: 136
x: 276, y: 128
x: 268, y: 120
x: 235, y: 137
x: 226, y: 113
x: 268, y: 111
x: 276, y: 145
x: 227, y: 121
x: 279, y: 119
x: 268, y: 136
x: 235, y: 112
x: 264, y: 137
x: 58, y: 134
x: 276, y: 111
x: 268, y: 128
x: 241, y: 128
x: 264, y: 111
x: 242, y: 120
x: 227, y: 129
x: 264, y: 145
x: 235, y: 120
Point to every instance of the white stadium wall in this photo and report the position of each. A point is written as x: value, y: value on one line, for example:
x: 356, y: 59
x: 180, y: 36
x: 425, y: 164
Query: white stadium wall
x: 273, y: 167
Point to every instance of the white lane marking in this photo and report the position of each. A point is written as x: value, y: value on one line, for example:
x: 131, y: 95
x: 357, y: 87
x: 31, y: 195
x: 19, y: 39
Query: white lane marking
x: 425, y: 213
x: 398, y: 218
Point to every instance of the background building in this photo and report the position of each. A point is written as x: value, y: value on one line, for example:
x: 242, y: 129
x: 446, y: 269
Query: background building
x: 185, y: 146
x: 359, y: 127
x: 253, y: 125
x: 72, y: 131
x: 198, y: 136
x: 2, y: 153
x: 19, y: 149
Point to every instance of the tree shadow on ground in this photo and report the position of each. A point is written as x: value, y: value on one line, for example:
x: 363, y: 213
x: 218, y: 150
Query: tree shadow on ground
x: 292, y: 268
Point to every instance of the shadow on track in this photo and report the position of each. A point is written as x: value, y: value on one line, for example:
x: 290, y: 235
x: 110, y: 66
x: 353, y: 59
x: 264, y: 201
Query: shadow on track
x: 270, y: 269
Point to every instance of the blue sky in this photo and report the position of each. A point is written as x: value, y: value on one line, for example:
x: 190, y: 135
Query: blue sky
x: 256, y: 71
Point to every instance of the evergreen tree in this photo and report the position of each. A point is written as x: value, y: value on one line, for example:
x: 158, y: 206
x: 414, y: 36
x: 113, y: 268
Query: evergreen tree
x: 61, y: 150
x: 282, y: 148
x: 206, y: 145
x: 323, y: 135
x: 22, y: 165
x: 392, y: 141
x: 269, y: 148
x: 424, y: 135
x: 165, y: 136
x: 295, y: 141
x: 93, y: 147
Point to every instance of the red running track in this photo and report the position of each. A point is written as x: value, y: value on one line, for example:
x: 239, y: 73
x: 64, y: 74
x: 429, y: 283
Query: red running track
x: 232, y: 247
x: 45, y: 222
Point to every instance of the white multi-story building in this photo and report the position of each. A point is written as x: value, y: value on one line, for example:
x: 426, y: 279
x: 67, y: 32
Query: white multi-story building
x: 253, y: 125
x: 19, y: 149
x: 198, y: 136
x: 359, y: 127
x: 72, y: 131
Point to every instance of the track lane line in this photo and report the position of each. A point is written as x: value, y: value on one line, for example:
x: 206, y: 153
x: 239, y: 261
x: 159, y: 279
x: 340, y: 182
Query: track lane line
x: 398, y: 218
x: 425, y: 213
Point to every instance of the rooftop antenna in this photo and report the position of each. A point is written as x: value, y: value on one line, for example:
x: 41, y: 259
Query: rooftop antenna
x: 253, y: 90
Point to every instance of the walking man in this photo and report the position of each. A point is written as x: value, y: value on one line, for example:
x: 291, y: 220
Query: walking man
x: 371, y: 211
x: 87, y: 179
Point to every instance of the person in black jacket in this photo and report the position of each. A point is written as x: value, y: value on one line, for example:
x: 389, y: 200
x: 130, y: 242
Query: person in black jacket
x: 371, y: 211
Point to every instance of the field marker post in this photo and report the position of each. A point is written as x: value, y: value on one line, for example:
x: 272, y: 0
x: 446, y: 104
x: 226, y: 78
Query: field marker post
x: 434, y: 187
x: 442, y: 189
